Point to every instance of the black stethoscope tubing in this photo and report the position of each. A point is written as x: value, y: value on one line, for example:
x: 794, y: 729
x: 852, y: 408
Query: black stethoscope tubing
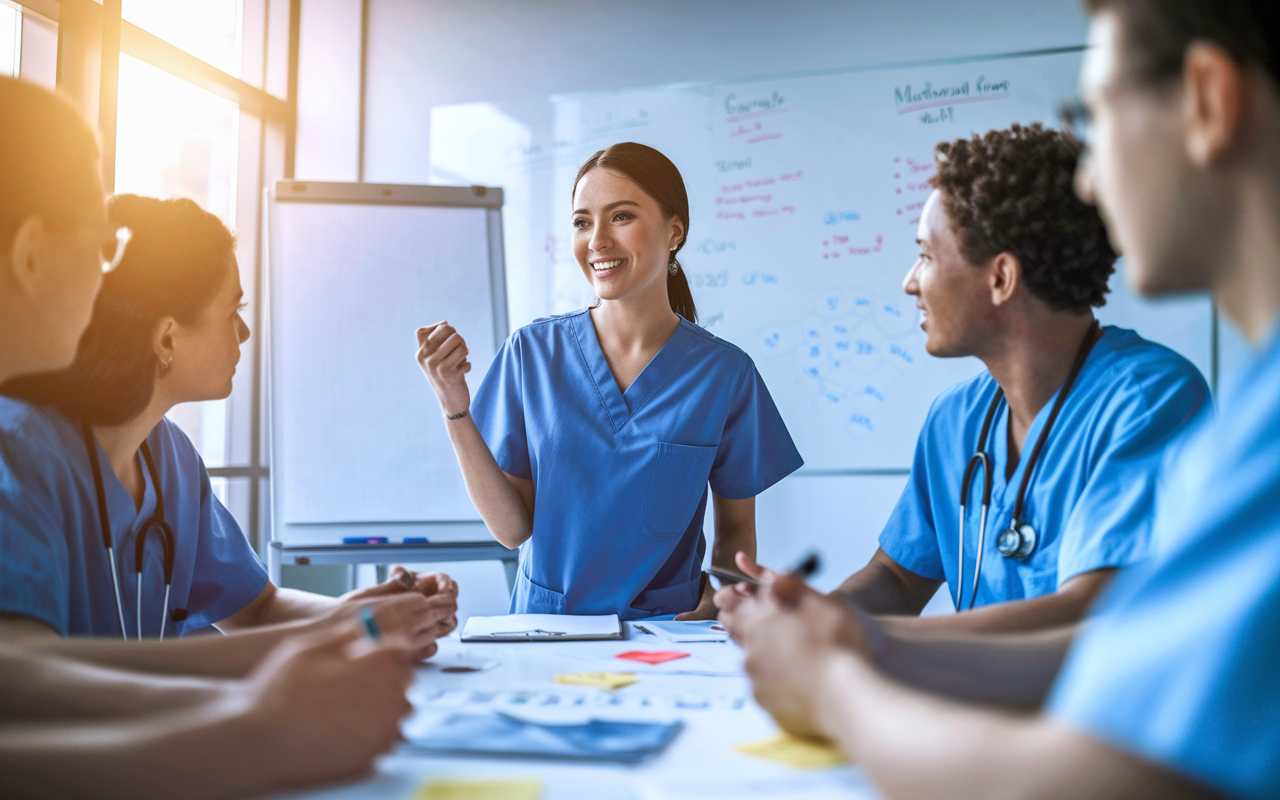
x: 156, y: 522
x: 1017, y: 531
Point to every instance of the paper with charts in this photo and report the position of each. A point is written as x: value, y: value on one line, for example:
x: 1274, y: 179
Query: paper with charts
x: 805, y: 195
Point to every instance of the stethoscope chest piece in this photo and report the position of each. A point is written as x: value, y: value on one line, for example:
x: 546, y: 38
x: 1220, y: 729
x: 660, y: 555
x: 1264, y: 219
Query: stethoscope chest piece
x: 1018, y: 541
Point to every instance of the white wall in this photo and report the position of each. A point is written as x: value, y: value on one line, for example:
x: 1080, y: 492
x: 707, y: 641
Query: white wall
x: 424, y: 53
x: 328, y: 91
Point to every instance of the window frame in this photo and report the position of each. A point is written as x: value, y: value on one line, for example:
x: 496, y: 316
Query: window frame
x: 91, y: 38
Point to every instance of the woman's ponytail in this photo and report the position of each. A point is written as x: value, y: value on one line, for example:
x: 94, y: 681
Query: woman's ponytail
x: 678, y: 292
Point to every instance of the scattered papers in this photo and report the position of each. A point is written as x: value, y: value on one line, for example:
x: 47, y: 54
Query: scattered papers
x: 542, y: 628
x: 795, y: 752
x: 707, y: 630
x: 506, y: 735
x: 653, y: 656
x: 600, y: 680
x: 480, y: 789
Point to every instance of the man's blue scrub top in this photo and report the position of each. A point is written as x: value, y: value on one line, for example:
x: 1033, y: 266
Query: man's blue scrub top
x: 53, y: 564
x: 1180, y: 663
x: 620, y: 478
x: 1091, y: 497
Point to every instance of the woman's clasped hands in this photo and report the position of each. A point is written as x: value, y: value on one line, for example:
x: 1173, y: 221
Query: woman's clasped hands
x: 419, y: 608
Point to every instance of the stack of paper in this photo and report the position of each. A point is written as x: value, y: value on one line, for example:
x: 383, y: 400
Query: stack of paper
x: 542, y: 628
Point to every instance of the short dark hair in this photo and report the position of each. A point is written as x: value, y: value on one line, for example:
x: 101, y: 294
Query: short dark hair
x: 48, y: 158
x: 1012, y: 191
x: 1158, y: 32
x: 661, y: 180
x: 174, y: 266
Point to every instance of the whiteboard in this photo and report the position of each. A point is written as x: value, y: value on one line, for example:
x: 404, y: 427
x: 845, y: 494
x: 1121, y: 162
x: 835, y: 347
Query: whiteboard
x: 805, y: 193
x: 357, y: 440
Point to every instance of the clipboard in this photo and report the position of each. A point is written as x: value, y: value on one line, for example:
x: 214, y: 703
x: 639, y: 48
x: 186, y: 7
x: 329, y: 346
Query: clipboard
x: 543, y: 628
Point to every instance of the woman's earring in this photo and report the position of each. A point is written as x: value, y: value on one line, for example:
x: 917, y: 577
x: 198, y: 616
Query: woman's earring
x: 164, y: 367
x: 673, y: 266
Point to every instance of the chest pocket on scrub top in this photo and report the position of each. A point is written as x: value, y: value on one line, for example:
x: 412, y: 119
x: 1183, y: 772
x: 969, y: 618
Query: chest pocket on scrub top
x: 680, y: 475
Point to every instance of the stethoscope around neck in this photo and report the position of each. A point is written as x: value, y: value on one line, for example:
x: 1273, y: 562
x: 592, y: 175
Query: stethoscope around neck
x: 1019, y: 540
x: 154, y: 523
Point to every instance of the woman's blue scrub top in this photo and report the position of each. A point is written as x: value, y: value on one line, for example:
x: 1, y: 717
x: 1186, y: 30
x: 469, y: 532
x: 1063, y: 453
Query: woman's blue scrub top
x: 1093, y: 492
x: 620, y: 478
x: 1180, y: 664
x: 53, y: 563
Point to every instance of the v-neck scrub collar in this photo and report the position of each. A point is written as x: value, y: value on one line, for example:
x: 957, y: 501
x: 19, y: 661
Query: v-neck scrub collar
x: 621, y: 478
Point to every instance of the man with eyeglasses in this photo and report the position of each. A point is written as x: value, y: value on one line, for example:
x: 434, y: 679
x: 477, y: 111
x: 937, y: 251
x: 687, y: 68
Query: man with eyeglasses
x: 1171, y: 689
x: 316, y: 708
x: 1035, y: 480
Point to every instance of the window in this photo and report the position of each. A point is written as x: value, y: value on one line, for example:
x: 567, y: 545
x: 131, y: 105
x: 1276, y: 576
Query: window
x: 10, y: 39
x: 210, y: 30
x: 191, y: 119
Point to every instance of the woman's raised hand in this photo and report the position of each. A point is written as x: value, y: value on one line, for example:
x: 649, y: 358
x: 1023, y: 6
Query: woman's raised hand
x: 442, y: 355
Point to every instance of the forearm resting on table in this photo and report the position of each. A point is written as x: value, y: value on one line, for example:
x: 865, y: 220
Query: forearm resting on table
x: 230, y: 656
x: 275, y: 606
x: 885, y: 587
x: 1063, y: 607
x: 914, y: 745
x: 49, y: 688
x: 1015, y: 671
x: 198, y: 754
x: 504, y: 501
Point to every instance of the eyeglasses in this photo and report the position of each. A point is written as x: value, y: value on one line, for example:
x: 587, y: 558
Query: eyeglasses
x: 1077, y: 122
x: 113, y: 249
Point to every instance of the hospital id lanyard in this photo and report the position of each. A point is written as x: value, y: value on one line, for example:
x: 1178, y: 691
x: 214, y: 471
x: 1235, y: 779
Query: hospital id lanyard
x: 1019, y: 539
x: 156, y: 522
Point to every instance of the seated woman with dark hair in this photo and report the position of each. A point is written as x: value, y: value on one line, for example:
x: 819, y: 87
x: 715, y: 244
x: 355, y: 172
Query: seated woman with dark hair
x: 112, y: 527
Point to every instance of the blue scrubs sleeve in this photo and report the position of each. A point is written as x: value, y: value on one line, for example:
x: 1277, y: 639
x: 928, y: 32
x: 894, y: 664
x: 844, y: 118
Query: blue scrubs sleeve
x: 498, y: 410
x: 1110, y: 523
x: 34, y: 566
x: 228, y: 575
x: 1179, y: 663
x: 909, y: 537
x: 756, y: 450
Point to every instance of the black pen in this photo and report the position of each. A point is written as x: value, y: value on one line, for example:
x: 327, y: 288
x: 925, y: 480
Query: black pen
x: 808, y: 565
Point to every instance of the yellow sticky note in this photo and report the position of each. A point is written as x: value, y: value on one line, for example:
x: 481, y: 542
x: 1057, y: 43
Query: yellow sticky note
x: 795, y: 752
x: 600, y: 680
x: 480, y: 789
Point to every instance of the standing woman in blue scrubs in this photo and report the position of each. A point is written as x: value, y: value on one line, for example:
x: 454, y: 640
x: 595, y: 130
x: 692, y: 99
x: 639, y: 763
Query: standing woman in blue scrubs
x: 592, y: 439
x: 166, y: 329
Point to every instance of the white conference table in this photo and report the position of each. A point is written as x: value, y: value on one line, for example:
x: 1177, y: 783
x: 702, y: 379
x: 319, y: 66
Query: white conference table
x: 707, y: 691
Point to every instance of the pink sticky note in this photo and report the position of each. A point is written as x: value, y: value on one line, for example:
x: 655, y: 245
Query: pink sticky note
x: 653, y: 656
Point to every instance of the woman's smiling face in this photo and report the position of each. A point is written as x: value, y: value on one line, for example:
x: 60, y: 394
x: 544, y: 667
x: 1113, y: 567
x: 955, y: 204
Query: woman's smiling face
x: 622, y: 239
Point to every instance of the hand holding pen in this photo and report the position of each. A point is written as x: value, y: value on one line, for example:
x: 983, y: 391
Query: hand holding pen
x: 735, y: 586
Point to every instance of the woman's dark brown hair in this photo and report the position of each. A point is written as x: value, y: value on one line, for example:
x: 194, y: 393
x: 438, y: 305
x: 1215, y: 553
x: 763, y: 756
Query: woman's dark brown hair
x: 658, y: 177
x: 175, y: 265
